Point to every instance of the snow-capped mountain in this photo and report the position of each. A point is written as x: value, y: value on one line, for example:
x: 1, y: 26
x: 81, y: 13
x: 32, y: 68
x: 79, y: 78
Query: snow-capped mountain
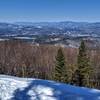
x: 14, y: 88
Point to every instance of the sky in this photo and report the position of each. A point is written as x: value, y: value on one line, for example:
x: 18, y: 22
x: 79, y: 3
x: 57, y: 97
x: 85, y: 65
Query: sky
x: 49, y: 10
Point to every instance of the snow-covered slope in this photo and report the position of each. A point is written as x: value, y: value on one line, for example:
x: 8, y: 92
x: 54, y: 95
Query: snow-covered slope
x: 13, y: 88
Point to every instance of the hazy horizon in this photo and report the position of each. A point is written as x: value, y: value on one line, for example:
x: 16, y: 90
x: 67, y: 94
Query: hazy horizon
x: 50, y: 21
x: 49, y: 10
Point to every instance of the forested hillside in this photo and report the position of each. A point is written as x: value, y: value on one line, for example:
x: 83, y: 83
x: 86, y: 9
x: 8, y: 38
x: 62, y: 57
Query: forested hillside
x: 24, y: 59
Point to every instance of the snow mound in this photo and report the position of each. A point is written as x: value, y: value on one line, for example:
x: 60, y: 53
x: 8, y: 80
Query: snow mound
x: 14, y: 88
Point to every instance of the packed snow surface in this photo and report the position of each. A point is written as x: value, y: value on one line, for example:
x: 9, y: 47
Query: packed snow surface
x: 13, y: 88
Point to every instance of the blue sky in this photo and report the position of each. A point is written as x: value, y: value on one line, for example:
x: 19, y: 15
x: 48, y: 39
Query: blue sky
x: 49, y: 10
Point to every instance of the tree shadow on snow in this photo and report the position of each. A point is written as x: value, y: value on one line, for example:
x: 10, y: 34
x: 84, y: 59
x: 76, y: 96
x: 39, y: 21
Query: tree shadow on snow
x: 24, y: 94
x: 59, y: 92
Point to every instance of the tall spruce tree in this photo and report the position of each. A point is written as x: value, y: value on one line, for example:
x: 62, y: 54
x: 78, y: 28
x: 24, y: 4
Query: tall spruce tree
x: 60, y: 73
x: 84, y: 69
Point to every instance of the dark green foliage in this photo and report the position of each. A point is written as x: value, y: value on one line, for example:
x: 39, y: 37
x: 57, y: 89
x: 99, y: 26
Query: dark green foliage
x: 60, y: 73
x: 84, y: 69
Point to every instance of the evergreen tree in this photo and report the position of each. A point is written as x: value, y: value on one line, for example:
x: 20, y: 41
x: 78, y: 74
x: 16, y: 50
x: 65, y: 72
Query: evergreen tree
x: 60, y: 73
x: 84, y: 69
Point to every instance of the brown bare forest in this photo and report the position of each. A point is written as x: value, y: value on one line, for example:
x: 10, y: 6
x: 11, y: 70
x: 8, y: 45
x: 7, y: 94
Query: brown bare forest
x: 27, y: 60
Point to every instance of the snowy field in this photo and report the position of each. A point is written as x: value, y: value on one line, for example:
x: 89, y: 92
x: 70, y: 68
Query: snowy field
x: 13, y: 88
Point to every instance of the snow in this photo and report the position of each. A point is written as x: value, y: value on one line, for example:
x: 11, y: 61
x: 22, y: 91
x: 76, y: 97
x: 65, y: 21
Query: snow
x: 3, y: 39
x: 24, y: 38
x: 14, y: 88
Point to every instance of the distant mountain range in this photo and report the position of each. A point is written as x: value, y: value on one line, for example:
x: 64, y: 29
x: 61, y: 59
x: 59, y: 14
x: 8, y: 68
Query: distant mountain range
x: 66, y: 33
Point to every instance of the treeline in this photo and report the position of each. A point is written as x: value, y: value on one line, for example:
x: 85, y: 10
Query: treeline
x: 23, y: 59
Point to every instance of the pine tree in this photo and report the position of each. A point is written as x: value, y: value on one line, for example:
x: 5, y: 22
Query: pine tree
x: 60, y: 73
x: 84, y: 69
